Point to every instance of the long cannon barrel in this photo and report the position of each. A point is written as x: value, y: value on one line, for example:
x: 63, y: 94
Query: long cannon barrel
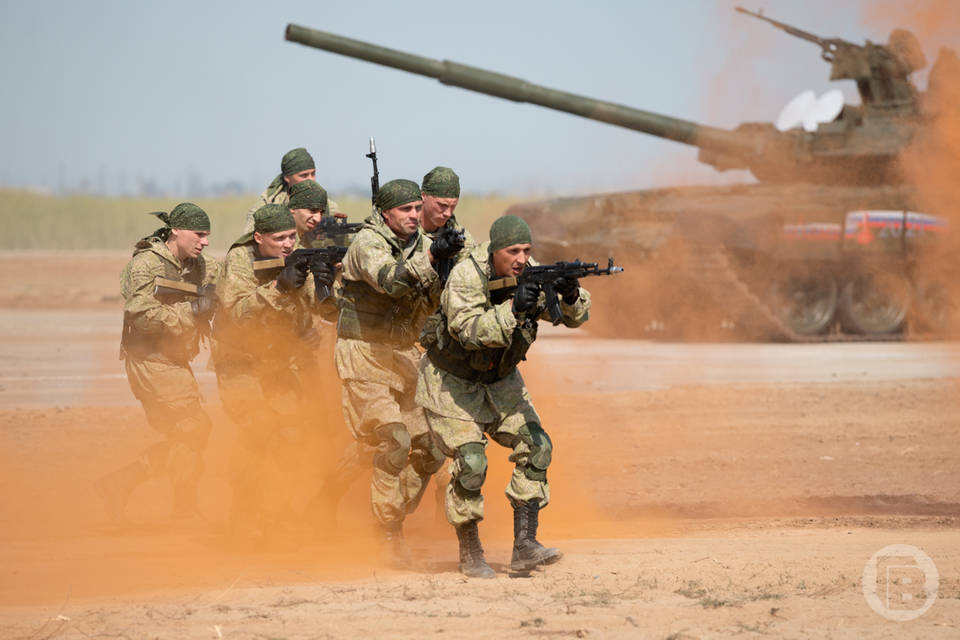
x: 518, y: 90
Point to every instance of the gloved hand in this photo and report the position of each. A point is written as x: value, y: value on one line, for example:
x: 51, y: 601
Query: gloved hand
x: 525, y: 297
x: 448, y: 243
x: 323, y: 274
x: 568, y: 289
x: 205, y: 303
x: 293, y: 276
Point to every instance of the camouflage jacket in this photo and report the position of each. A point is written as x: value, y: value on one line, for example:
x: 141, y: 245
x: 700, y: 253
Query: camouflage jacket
x: 389, y: 287
x: 474, y: 343
x: 468, y: 242
x: 277, y: 192
x: 256, y: 321
x: 161, y: 326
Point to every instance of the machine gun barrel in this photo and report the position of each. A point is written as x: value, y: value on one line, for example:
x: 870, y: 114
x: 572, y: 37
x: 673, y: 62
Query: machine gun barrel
x: 518, y: 90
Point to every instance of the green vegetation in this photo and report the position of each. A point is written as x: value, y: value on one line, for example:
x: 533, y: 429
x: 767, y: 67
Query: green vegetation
x: 36, y: 221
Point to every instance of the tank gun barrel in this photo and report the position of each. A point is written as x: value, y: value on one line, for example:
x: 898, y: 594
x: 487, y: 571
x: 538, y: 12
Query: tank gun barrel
x: 519, y: 90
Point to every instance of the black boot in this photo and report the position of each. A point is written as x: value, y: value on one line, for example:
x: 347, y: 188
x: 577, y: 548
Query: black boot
x: 472, y: 562
x: 115, y: 489
x: 527, y: 552
x: 394, y: 552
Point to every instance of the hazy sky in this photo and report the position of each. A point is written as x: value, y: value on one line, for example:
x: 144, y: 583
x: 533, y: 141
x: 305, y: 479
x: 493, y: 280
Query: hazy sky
x: 116, y: 91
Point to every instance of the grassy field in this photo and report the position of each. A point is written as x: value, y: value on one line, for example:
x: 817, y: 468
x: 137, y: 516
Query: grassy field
x: 36, y: 221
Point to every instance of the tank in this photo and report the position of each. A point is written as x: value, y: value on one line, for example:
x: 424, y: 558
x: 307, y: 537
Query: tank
x: 825, y: 247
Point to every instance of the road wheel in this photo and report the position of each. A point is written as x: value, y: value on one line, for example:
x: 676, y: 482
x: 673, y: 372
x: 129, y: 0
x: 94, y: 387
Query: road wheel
x: 875, y: 301
x: 806, y: 301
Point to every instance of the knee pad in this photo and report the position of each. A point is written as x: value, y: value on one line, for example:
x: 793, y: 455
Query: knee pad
x: 541, y: 450
x: 393, y: 448
x: 425, y: 457
x: 472, y: 460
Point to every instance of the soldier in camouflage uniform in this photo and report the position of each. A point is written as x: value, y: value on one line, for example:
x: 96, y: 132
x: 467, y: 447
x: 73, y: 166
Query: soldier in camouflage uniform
x: 296, y: 166
x: 162, y: 328
x: 389, y: 286
x: 441, y: 194
x: 470, y: 389
x: 308, y: 204
x: 263, y: 350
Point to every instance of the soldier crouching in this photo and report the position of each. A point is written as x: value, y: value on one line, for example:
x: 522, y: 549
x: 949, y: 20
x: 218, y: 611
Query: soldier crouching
x: 162, y: 326
x: 470, y: 389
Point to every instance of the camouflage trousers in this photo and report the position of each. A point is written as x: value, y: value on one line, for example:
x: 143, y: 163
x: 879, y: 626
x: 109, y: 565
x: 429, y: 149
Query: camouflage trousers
x: 379, y: 386
x: 511, y: 431
x: 171, y: 400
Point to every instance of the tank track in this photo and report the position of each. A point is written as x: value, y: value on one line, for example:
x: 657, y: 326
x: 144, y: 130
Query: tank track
x: 713, y: 267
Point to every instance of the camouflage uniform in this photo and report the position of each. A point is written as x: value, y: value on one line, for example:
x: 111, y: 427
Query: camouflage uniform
x: 160, y: 337
x: 470, y: 388
x: 261, y: 361
x: 389, y: 287
x: 277, y: 192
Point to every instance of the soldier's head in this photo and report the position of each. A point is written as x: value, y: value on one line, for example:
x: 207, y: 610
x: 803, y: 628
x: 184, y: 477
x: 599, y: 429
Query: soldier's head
x: 274, y: 231
x: 441, y: 193
x: 308, y: 201
x: 906, y: 46
x: 189, y: 230
x: 400, y: 204
x: 296, y: 166
x: 510, y: 246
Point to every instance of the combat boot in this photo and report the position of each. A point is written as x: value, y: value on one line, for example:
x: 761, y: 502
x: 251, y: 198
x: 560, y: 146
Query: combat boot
x: 472, y: 562
x: 115, y: 489
x: 528, y: 553
x: 394, y: 551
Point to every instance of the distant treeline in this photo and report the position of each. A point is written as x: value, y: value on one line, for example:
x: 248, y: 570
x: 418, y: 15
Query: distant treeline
x: 35, y: 221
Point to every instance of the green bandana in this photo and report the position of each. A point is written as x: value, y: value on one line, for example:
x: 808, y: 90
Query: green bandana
x: 185, y: 215
x: 441, y: 182
x: 295, y: 161
x: 307, y: 194
x: 507, y: 231
x: 397, y: 193
x: 269, y: 218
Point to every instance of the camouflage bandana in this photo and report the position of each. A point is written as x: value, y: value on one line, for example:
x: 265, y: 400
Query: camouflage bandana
x: 397, y: 193
x: 307, y: 194
x: 189, y: 216
x: 295, y: 161
x: 271, y: 218
x: 441, y: 182
x: 507, y: 231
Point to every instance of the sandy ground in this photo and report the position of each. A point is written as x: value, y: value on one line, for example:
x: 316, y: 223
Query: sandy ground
x: 698, y: 491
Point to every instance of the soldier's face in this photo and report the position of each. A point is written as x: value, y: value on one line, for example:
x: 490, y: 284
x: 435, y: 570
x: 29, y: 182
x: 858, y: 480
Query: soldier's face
x: 306, y: 219
x: 294, y: 178
x: 436, y: 211
x: 510, y: 261
x: 188, y: 244
x: 276, y: 244
x: 405, y: 219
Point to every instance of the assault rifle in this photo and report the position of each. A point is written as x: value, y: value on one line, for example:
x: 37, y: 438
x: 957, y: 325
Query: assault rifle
x: 313, y: 258
x: 375, y: 178
x: 334, y: 227
x: 546, y: 275
x: 445, y: 265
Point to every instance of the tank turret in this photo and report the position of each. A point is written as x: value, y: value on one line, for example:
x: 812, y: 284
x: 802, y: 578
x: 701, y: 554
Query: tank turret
x: 858, y: 148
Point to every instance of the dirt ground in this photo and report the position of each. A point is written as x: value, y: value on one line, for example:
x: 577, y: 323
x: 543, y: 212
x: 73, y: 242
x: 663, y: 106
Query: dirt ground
x: 686, y: 512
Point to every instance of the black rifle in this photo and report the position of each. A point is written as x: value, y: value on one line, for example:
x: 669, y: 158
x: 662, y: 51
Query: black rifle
x: 546, y: 276
x: 445, y: 265
x: 334, y: 227
x: 375, y: 178
x: 313, y: 258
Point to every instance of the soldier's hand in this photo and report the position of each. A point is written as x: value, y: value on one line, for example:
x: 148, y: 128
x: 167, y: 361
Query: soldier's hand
x: 568, y: 288
x: 448, y: 243
x: 293, y: 276
x: 323, y: 274
x: 206, y: 301
x: 525, y: 297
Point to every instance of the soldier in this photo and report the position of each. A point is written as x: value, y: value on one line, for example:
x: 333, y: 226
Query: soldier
x: 441, y: 194
x: 162, y: 327
x: 470, y: 389
x: 295, y: 166
x: 389, y: 285
x: 308, y: 204
x: 263, y: 352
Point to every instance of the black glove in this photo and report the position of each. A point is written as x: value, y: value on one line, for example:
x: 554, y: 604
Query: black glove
x: 293, y: 276
x: 206, y: 301
x: 568, y: 288
x: 448, y: 243
x: 323, y: 274
x: 525, y: 297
